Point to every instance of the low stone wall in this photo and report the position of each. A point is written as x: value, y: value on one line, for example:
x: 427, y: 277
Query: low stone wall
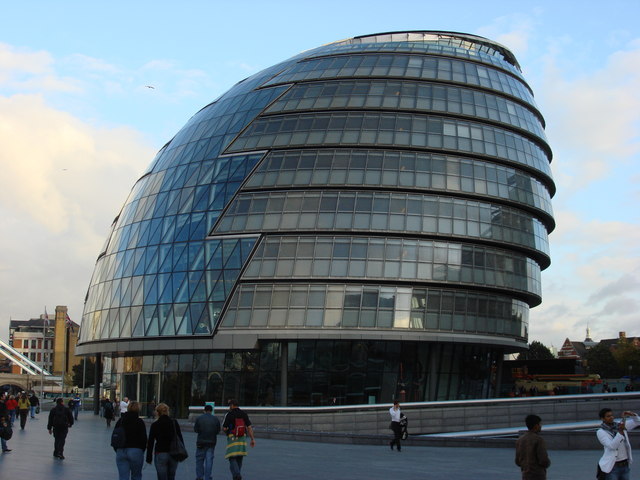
x: 437, y: 417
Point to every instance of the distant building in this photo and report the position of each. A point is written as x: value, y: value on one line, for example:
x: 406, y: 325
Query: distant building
x: 612, y: 343
x: 576, y: 350
x: 49, y: 342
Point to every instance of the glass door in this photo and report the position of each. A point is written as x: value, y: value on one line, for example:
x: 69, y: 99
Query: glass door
x: 149, y: 384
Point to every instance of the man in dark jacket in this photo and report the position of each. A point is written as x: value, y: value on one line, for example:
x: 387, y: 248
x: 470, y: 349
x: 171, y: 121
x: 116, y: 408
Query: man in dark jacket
x: 35, y: 403
x: 60, y: 421
x: 531, y: 451
x: 207, y: 427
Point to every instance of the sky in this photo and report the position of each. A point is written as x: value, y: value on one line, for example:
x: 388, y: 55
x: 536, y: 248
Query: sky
x: 79, y: 125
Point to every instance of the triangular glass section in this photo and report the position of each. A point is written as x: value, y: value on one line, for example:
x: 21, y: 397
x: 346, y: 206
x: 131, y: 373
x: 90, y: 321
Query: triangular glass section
x: 165, y: 258
x: 180, y: 257
x: 198, y: 226
x: 151, y: 321
x: 199, y: 290
x: 196, y: 256
x: 166, y: 287
x: 138, y: 329
x: 150, y: 290
x: 125, y: 301
x: 139, y: 261
x: 168, y: 229
x: 183, y: 324
x: 186, y: 200
x: 165, y: 316
x: 199, y: 319
x: 151, y: 260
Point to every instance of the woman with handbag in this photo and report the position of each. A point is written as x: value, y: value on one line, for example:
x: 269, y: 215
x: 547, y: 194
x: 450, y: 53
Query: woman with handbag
x: 161, y: 434
x: 130, y: 458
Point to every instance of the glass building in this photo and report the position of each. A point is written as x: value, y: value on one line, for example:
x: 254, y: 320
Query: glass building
x: 365, y: 221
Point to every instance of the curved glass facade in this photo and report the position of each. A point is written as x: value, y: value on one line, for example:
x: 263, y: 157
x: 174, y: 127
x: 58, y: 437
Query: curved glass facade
x: 366, y: 221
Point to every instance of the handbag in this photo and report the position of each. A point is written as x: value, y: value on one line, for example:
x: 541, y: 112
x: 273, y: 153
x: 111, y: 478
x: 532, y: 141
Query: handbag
x: 176, y: 447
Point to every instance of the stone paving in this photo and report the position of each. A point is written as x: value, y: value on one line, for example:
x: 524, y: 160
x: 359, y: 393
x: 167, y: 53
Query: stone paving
x: 89, y: 456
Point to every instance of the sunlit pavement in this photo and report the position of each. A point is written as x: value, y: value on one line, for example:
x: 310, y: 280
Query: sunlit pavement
x: 89, y: 456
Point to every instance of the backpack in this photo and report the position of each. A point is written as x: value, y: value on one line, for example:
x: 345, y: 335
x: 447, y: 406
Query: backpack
x: 239, y: 429
x: 118, y: 437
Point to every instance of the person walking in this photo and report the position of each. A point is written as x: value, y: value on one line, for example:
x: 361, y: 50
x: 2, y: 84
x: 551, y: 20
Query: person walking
x: 616, y: 458
x: 60, y: 421
x: 35, y: 403
x: 130, y: 458
x: 207, y: 426
x: 12, y: 404
x: 23, y: 409
x: 108, y: 410
x: 236, y: 425
x: 395, y: 426
x: 531, y: 451
x: 77, y: 402
x: 123, y: 405
x: 5, y: 424
x: 161, y: 433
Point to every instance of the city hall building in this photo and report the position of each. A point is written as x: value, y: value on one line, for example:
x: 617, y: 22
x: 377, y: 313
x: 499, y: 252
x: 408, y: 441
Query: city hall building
x: 366, y: 221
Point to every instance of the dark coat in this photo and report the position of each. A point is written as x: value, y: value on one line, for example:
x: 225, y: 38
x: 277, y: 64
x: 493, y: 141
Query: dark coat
x: 531, y: 456
x: 161, y: 434
x: 62, y: 411
x: 135, y: 430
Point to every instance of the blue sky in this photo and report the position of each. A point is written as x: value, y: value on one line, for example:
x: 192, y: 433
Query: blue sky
x: 78, y: 126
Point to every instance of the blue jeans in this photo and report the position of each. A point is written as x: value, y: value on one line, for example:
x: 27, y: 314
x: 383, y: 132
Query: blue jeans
x: 204, y: 462
x: 130, y: 461
x: 618, y: 473
x: 33, y: 411
x: 4, y: 444
x: 12, y: 416
x: 165, y: 466
x: 235, y: 465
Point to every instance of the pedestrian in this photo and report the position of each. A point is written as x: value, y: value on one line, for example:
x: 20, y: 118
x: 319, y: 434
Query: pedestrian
x: 123, y: 405
x: 531, y: 451
x: 161, y: 433
x: 12, y: 404
x: 395, y: 426
x: 108, y: 410
x: 130, y: 458
x: 5, y: 425
x: 207, y: 426
x: 617, y: 458
x: 35, y: 403
x: 60, y: 421
x: 23, y: 409
x: 77, y: 402
x: 236, y: 425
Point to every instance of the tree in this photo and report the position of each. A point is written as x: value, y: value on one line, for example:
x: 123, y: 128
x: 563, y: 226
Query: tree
x: 627, y: 356
x: 600, y: 360
x: 537, y: 351
x: 89, y: 378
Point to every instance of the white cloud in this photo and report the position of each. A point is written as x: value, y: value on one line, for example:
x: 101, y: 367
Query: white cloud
x: 63, y: 180
x: 513, y: 31
x: 27, y: 71
x: 593, y: 120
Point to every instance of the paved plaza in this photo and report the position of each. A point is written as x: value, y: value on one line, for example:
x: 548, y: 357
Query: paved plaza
x: 89, y: 456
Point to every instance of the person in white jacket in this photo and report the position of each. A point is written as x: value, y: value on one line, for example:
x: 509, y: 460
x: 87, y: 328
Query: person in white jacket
x: 617, y: 457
